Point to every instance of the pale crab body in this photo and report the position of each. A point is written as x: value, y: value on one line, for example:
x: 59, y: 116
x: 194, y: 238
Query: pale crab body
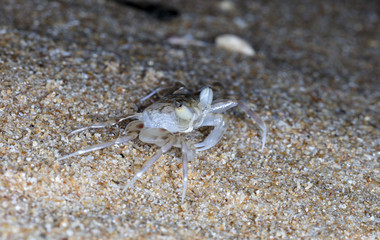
x: 178, y: 115
x: 166, y: 122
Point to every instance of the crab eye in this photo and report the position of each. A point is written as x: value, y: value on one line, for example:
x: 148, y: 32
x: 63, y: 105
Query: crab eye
x: 184, y: 112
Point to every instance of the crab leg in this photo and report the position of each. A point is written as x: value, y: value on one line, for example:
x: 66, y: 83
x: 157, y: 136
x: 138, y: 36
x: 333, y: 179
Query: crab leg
x: 101, y: 125
x: 257, y: 119
x: 131, y: 130
x: 119, y: 140
x: 155, y: 91
x: 185, y: 177
x: 216, y: 134
x: 146, y: 166
x: 223, y: 105
x: 188, y: 155
x: 175, y: 88
x: 149, y: 163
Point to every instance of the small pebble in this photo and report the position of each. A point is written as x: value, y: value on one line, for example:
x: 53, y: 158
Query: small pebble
x: 234, y: 44
x: 227, y: 6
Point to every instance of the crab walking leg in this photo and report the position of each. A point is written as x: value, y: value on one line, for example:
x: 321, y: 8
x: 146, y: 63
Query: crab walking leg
x: 119, y: 140
x: 185, y: 177
x: 101, y: 125
x: 188, y: 155
x: 149, y: 163
x: 257, y: 119
x: 222, y: 105
x: 155, y: 91
x: 146, y: 166
x: 177, y: 86
x: 216, y: 134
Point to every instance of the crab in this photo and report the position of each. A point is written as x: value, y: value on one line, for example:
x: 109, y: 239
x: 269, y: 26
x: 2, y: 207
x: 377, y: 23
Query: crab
x: 167, y: 122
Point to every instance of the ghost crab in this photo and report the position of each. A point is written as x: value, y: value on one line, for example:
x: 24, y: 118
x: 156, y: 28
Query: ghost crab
x: 166, y: 122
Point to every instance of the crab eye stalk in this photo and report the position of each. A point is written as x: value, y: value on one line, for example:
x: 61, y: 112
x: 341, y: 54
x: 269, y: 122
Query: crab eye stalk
x: 205, y: 97
x: 184, y: 112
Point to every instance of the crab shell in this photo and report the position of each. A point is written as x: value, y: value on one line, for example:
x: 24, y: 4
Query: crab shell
x: 180, y: 114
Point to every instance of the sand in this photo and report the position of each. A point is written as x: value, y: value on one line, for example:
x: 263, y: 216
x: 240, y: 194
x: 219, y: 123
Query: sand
x: 314, y: 81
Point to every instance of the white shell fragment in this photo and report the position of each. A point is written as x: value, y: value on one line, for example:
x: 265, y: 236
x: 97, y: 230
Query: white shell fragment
x: 227, y: 6
x: 235, y: 44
